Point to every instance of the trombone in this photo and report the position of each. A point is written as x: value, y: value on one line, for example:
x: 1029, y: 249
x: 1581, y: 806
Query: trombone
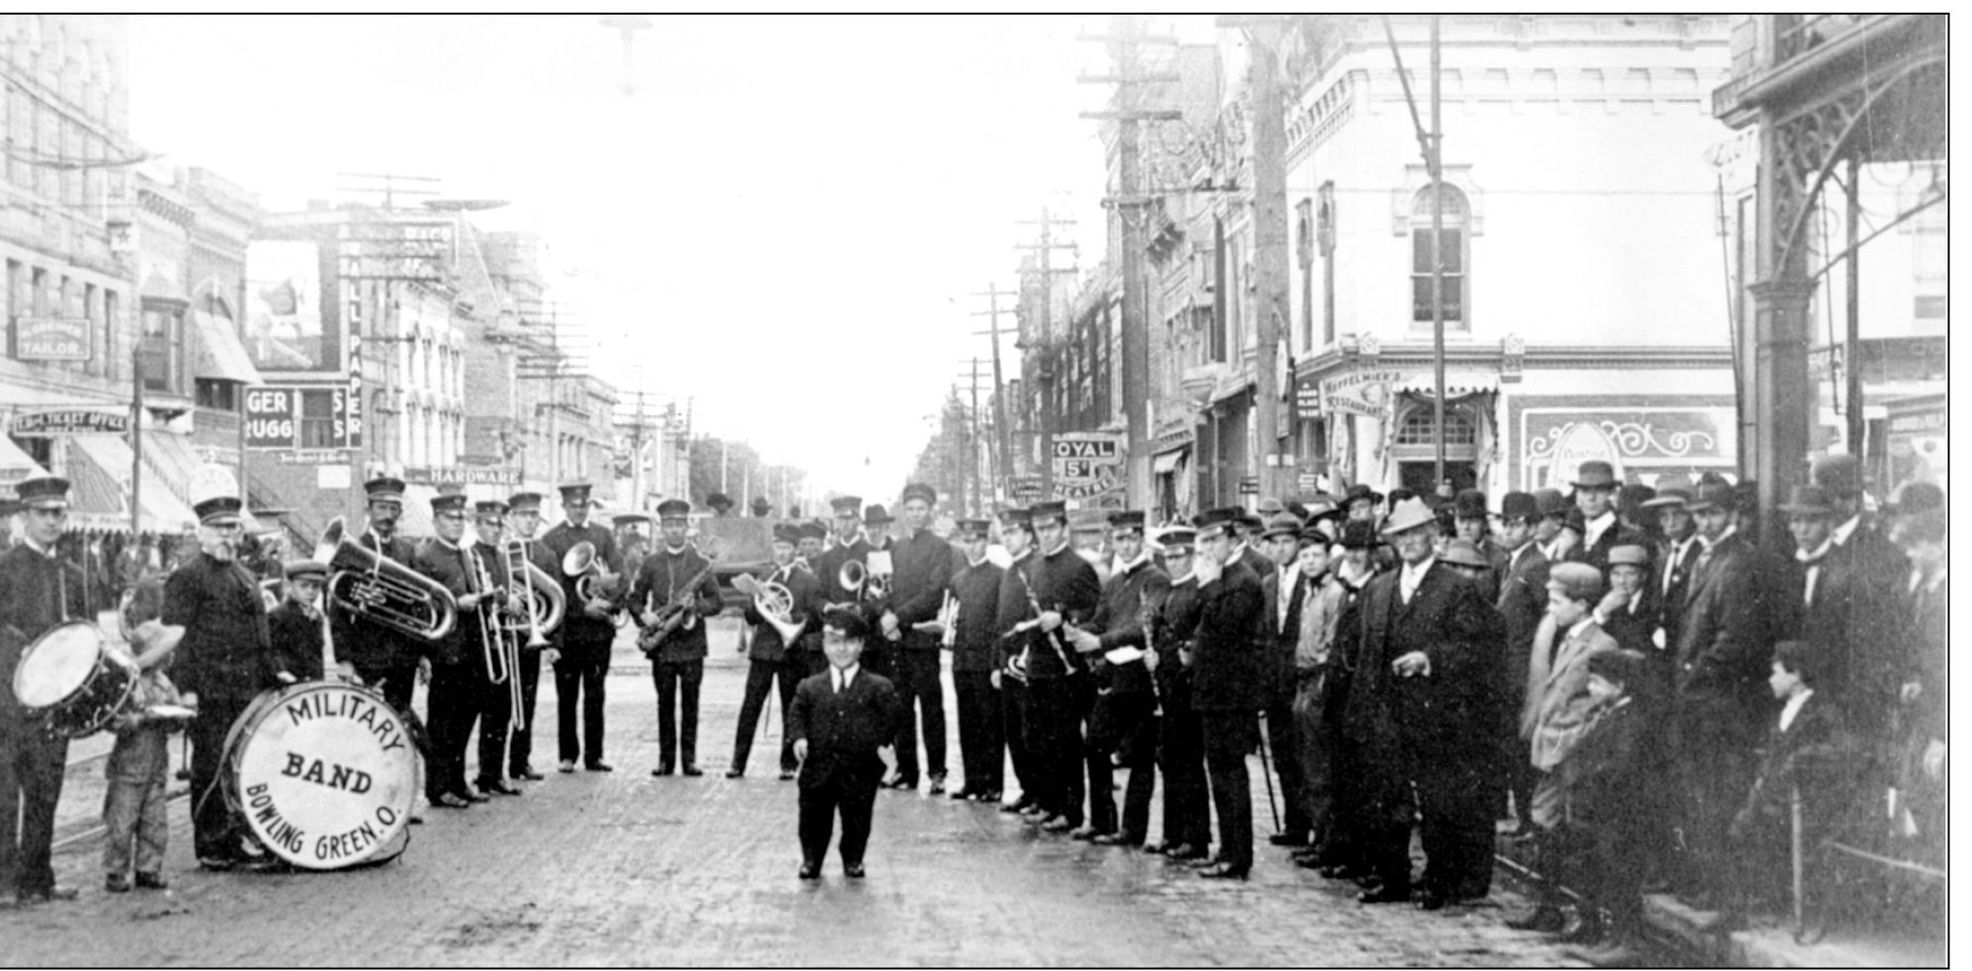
x: 546, y: 604
x: 499, y: 646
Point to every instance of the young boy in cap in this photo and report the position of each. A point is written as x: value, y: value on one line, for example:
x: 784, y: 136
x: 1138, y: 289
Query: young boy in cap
x: 844, y: 725
x: 296, y: 627
x: 37, y: 592
x: 139, y: 765
x: 1607, y: 786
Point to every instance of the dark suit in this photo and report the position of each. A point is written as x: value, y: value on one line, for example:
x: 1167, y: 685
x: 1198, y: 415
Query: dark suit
x: 1282, y: 638
x: 923, y: 570
x: 1719, y: 697
x: 1124, y: 720
x: 582, y: 673
x: 769, y: 660
x: 1012, y: 608
x: 1522, y: 602
x: 37, y: 592
x: 1859, y: 628
x: 842, y: 769
x: 1445, y: 721
x: 678, y: 663
x: 459, y: 684
x: 1231, y: 678
x: 224, y: 658
x: 1180, y: 735
x: 1669, y: 581
x: 975, y: 656
x: 1596, y: 554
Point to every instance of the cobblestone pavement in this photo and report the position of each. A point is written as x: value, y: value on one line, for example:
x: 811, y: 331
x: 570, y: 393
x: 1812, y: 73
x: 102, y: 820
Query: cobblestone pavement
x: 624, y: 868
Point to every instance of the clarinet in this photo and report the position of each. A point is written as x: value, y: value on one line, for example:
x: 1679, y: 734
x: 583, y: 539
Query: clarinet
x: 1054, y: 639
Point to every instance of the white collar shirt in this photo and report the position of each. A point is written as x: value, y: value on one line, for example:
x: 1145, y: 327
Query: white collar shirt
x: 1793, y: 708
x: 1413, y: 576
x: 842, y: 678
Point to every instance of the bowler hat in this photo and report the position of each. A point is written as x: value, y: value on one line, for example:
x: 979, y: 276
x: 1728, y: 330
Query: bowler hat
x: 1519, y: 505
x: 1807, y: 500
x: 876, y: 515
x: 1595, y: 474
x: 812, y: 530
x: 1711, y: 495
x: 718, y: 501
x: 1622, y: 665
x: 1408, y: 515
x: 1359, y: 535
x: 1550, y: 502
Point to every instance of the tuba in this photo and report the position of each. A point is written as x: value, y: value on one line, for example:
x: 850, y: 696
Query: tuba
x: 378, y: 589
x: 775, y: 602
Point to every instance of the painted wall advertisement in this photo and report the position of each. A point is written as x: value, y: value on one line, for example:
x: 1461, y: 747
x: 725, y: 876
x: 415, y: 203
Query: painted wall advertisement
x: 1641, y: 443
x: 284, y: 318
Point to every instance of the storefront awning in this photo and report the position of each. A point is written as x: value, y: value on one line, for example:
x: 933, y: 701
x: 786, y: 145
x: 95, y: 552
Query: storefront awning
x: 1458, y: 384
x: 220, y: 354
x: 170, y: 458
x: 15, y: 465
x: 99, y: 465
x: 1168, y: 462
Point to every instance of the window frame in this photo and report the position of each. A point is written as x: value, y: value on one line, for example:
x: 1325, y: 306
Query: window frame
x: 1454, y: 225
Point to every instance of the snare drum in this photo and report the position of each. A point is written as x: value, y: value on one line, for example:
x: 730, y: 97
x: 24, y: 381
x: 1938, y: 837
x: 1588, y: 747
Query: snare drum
x: 74, y: 680
x: 324, y: 774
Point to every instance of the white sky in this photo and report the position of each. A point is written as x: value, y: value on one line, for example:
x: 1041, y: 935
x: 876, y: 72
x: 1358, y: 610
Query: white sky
x: 785, y: 222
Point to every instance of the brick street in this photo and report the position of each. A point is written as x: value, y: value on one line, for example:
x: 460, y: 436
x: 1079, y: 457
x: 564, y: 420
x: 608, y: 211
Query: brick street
x: 624, y: 868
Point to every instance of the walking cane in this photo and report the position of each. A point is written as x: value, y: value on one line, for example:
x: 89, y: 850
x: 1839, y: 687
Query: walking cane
x: 1267, y: 775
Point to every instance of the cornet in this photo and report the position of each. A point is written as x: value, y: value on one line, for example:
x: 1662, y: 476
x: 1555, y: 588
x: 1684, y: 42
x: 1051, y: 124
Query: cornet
x: 376, y: 588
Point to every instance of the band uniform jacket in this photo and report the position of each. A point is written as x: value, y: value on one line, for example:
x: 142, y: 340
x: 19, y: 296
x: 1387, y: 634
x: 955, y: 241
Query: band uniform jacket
x: 844, y: 730
x: 447, y: 564
x: 578, y: 629
x: 297, y: 641
x: 923, y: 569
x: 1229, y: 661
x: 976, y: 645
x: 1173, y: 619
x: 1013, y: 608
x: 1723, y: 650
x: 661, y: 580
x: 801, y: 587
x: 225, y: 652
x: 1454, y: 710
x: 1061, y: 581
x: 365, y: 643
x: 1119, y: 622
x: 1283, y: 634
x: 37, y: 592
x: 1558, y: 703
x: 828, y: 569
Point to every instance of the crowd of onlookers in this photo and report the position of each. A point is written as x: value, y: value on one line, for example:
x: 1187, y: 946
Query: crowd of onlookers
x: 1674, y: 672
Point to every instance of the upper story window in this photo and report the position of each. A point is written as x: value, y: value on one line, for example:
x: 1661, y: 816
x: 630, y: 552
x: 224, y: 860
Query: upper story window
x: 1453, y: 254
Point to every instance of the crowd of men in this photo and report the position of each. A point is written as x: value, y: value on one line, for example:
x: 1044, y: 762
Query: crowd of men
x: 1611, y: 674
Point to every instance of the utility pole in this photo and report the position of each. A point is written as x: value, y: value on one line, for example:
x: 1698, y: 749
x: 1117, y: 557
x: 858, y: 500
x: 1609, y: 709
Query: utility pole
x: 1270, y: 241
x: 1047, y: 371
x: 1003, y: 466
x: 973, y: 437
x: 1431, y: 144
x: 1128, y: 205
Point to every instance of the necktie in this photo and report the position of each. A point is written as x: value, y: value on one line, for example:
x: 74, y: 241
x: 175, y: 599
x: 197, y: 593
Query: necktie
x: 1812, y: 572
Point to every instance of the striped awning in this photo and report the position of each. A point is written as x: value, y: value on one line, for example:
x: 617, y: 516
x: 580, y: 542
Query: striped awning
x: 15, y: 465
x: 220, y: 355
x: 99, y: 468
x: 1458, y: 384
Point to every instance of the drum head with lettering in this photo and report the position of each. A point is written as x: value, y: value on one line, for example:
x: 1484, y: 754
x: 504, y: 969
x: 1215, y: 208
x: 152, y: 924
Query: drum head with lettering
x: 57, y: 665
x: 324, y: 773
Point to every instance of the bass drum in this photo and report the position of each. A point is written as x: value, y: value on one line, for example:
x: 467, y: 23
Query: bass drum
x: 324, y: 774
x: 73, y: 680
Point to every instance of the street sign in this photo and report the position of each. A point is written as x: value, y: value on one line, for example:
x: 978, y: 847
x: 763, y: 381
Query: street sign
x: 1249, y: 485
x: 1308, y: 399
x: 1086, y: 463
x: 1308, y: 482
x: 52, y: 338
x: 71, y: 421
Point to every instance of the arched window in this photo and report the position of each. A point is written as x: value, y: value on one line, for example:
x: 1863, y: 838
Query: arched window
x: 1454, y: 254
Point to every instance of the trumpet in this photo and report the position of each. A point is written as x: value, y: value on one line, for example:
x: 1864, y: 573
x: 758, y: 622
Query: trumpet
x: 372, y: 586
x: 776, y: 603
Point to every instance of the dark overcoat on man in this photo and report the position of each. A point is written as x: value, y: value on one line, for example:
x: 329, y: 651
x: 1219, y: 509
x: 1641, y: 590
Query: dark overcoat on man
x: 975, y: 656
x: 1231, y: 678
x: 225, y: 659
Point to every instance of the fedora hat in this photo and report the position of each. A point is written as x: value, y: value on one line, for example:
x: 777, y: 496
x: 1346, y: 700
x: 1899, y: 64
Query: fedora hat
x: 1409, y: 514
x: 1807, y: 500
x: 1596, y: 474
x: 1461, y: 552
x: 1469, y: 504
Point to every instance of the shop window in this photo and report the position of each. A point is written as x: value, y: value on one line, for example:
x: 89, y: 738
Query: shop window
x: 217, y: 395
x: 163, y: 336
x: 1453, y: 255
x: 318, y: 420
